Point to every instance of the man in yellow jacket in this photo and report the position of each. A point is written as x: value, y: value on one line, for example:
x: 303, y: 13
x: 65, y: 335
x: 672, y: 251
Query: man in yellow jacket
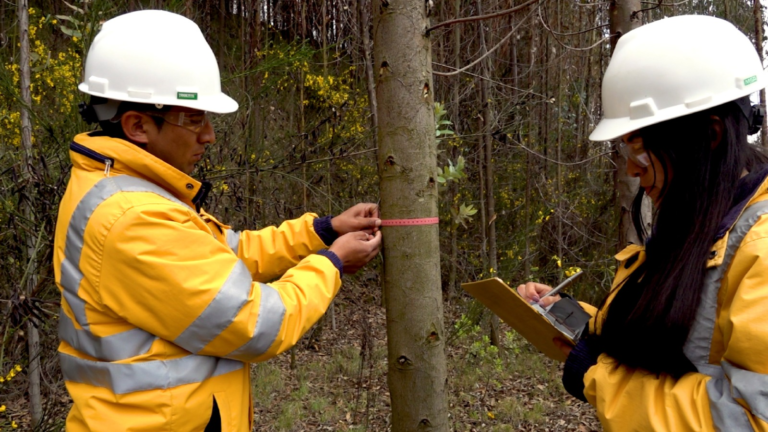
x: 163, y: 306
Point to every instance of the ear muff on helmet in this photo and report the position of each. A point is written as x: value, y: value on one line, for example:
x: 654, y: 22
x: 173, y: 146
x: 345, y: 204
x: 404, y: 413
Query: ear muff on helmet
x: 87, y: 113
x: 756, y: 118
x: 755, y: 114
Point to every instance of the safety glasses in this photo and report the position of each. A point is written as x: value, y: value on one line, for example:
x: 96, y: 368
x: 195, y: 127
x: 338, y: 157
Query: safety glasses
x: 191, y: 121
x: 636, y: 153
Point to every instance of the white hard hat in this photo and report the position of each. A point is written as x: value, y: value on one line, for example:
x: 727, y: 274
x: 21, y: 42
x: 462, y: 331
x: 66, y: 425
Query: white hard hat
x: 674, y: 67
x: 155, y: 57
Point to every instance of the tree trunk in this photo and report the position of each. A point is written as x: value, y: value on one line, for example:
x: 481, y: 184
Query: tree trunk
x: 407, y: 166
x: 33, y: 338
x: 626, y: 187
x: 364, y: 17
x: 487, y: 147
x: 453, y: 188
x: 759, y: 46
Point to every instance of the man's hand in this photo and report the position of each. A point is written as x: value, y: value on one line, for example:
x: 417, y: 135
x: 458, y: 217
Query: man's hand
x: 361, y: 217
x: 532, y: 293
x: 355, y: 249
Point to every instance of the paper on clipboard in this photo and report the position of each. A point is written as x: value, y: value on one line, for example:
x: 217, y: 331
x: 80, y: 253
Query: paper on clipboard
x: 526, y: 319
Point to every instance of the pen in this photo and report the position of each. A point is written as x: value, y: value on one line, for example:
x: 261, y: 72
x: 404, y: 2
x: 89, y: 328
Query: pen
x: 564, y: 284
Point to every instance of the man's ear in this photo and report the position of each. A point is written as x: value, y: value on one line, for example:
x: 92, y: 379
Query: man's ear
x: 136, y: 126
x: 716, y: 130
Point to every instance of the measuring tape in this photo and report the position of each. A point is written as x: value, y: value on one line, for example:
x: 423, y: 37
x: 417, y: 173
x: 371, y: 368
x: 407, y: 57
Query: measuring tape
x: 409, y: 222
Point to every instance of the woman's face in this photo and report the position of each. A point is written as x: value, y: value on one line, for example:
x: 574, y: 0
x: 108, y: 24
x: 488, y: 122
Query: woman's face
x: 644, y: 165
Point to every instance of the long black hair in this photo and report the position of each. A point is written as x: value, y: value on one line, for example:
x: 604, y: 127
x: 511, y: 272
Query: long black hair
x: 648, y: 321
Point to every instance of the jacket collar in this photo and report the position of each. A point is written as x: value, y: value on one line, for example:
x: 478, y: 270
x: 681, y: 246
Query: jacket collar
x: 93, y: 151
x: 751, y: 188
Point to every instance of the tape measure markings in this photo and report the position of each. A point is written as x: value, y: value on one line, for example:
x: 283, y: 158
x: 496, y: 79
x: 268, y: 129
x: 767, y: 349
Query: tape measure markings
x: 409, y: 222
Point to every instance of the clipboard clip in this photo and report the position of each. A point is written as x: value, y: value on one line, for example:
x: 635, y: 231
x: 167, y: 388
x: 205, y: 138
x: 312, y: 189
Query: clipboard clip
x: 567, y: 316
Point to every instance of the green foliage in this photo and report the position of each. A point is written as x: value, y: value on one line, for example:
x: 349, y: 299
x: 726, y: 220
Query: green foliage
x: 452, y: 172
x: 441, y: 122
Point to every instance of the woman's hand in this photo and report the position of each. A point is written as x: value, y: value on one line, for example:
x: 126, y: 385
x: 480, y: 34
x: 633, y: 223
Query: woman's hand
x: 532, y: 293
x: 562, y: 346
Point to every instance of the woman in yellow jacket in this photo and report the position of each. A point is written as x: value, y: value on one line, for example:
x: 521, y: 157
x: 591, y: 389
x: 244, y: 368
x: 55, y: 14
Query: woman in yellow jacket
x: 163, y: 306
x: 681, y: 342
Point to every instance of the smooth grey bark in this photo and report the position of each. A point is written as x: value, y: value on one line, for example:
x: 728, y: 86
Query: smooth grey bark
x: 407, y: 159
x: 33, y: 338
x: 621, y: 22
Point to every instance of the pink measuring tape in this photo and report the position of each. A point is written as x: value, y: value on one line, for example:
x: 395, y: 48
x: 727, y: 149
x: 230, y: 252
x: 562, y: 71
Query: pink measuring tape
x: 409, y: 222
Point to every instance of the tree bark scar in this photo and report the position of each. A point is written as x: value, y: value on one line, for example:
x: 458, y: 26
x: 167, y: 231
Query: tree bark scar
x: 433, y: 338
x: 404, y: 363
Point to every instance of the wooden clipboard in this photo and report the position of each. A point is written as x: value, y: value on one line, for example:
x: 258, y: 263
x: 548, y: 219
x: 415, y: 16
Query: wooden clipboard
x: 513, y: 310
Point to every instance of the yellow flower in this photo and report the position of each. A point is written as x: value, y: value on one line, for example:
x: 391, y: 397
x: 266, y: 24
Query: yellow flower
x: 14, y: 425
x: 74, y: 38
x: 2, y: 408
x: 2, y: 380
x: 54, y: 22
x: 18, y: 368
x: 491, y: 416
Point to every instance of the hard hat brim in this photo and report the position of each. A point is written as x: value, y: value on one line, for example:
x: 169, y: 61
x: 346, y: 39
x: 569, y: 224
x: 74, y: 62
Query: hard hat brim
x: 219, y: 103
x: 609, y: 129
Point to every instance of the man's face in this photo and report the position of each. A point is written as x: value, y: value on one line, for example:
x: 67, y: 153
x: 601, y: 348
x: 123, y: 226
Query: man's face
x: 179, y: 146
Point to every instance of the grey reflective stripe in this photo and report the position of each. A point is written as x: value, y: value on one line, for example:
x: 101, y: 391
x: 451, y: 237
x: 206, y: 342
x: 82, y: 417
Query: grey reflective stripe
x: 220, y: 312
x: 699, y: 343
x: 233, y: 239
x: 727, y: 414
x: 119, y: 346
x: 750, y: 386
x: 100, y: 192
x: 728, y: 382
x: 152, y: 375
x: 271, y: 313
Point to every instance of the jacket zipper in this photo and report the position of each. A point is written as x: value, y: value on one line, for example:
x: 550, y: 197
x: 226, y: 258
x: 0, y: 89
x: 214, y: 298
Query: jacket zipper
x: 85, y: 151
x: 90, y: 154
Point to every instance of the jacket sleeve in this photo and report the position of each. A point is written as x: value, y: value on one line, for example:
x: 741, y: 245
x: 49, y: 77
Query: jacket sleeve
x: 269, y: 252
x: 169, y: 276
x: 733, y: 399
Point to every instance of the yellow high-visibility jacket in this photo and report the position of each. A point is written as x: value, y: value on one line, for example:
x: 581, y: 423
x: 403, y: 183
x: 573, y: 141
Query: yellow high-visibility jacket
x: 728, y: 344
x: 162, y: 305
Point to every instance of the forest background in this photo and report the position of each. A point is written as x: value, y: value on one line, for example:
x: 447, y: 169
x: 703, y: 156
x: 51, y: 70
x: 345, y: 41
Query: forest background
x: 523, y: 194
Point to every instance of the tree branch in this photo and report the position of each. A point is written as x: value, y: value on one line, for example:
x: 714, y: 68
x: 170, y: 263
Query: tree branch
x: 656, y: 6
x: 487, y: 53
x: 482, y: 17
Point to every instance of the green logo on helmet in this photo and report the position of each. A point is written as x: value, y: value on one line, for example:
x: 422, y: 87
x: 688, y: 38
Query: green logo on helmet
x: 193, y: 96
x: 750, y: 80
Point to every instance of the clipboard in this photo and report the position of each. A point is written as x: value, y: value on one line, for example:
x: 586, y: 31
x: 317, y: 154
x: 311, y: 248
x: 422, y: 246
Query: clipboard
x: 564, y: 320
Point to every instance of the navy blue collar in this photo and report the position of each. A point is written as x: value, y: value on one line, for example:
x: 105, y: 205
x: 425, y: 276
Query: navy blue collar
x: 747, y: 188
